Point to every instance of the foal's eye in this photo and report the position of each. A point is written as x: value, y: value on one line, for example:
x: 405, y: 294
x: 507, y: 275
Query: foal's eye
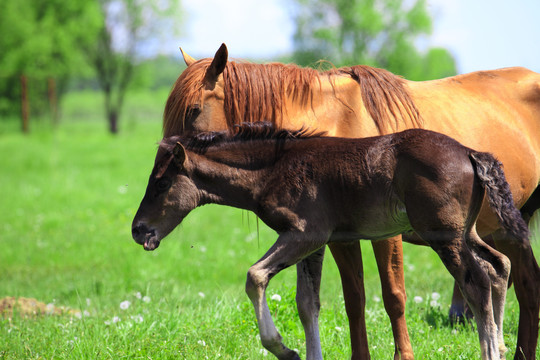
x: 163, y: 185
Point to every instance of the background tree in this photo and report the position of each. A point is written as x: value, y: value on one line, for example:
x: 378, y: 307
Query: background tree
x: 381, y: 33
x: 127, y: 27
x: 39, y: 40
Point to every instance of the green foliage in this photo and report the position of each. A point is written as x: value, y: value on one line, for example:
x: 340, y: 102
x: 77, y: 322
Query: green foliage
x: 381, y: 33
x: 40, y: 39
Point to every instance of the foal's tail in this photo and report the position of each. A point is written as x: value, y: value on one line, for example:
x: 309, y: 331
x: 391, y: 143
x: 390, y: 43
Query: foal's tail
x: 491, y: 175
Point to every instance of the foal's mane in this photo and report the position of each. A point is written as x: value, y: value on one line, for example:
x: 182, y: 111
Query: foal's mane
x: 256, y: 131
x: 258, y: 91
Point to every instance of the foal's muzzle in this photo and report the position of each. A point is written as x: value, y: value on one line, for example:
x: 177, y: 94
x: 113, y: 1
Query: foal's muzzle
x: 145, y: 236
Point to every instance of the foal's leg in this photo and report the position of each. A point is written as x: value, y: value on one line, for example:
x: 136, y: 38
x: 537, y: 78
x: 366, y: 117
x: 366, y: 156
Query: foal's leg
x: 307, y: 300
x: 474, y: 284
x: 348, y: 257
x: 526, y: 278
x: 497, y: 266
x: 459, y: 310
x: 389, y: 256
x: 289, y: 249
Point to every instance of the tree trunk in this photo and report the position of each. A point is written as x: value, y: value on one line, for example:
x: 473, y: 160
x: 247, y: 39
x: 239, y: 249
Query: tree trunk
x: 113, y: 121
x: 25, y: 108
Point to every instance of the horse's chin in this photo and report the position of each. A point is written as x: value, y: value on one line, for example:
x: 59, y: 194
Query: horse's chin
x: 151, y: 243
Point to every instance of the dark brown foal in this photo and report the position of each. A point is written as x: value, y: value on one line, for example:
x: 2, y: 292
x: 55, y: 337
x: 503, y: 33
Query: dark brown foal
x: 316, y: 190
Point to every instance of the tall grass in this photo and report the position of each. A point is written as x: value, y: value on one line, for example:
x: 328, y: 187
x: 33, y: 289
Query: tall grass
x: 68, y: 198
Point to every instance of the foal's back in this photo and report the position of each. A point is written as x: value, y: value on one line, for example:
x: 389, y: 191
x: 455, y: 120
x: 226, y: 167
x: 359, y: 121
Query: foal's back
x: 372, y: 188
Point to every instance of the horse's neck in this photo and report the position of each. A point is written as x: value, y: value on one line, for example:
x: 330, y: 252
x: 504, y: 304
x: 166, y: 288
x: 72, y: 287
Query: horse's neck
x: 231, y: 177
x: 335, y: 106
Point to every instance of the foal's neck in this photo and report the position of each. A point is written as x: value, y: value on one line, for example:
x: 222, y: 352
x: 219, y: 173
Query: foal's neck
x: 234, y: 174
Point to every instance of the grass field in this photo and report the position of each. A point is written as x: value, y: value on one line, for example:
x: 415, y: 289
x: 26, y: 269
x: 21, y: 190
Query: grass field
x: 68, y: 198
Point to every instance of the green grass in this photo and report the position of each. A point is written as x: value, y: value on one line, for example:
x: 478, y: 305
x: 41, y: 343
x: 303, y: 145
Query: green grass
x: 68, y: 198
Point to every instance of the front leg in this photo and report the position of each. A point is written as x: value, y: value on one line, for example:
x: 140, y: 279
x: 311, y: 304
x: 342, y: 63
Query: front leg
x: 290, y: 248
x: 307, y: 300
x: 348, y: 257
x: 389, y: 256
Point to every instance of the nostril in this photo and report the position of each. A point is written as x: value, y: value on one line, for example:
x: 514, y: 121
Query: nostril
x: 135, y: 232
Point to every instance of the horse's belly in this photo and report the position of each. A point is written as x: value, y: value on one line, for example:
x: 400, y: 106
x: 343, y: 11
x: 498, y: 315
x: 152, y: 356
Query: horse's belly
x: 375, y: 225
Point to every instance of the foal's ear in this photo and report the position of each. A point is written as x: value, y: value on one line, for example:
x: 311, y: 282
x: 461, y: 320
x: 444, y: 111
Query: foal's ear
x: 217, y: 66
x: 179, y: 153
x: 187, y: 59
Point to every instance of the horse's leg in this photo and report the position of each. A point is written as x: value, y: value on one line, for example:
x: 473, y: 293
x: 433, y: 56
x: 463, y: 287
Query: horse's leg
x: 348, y: 257
x: 497, y: 266
x: 307, y: 300
x: 474, y: 283
x: 525, y: 275
x: 459, y: 310
x: 389, y: 256
x: 286, y: 251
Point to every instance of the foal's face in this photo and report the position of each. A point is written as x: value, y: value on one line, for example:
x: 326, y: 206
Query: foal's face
x: 170, y: 196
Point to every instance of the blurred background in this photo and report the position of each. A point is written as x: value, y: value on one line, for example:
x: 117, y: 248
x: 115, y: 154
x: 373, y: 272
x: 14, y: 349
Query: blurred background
x: 108, y: 52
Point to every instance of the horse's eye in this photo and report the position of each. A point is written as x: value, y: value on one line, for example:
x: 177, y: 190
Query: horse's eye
x: 163, y: 185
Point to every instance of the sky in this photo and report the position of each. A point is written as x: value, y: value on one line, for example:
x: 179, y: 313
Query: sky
x: 481, y: 34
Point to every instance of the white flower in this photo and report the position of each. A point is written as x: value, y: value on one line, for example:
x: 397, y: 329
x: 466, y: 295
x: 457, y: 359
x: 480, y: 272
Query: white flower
x: 201, y: 342
x: 124, y: 305
x: 376, y: 298
x: 264, y: 352
x: 418, y: 299
x: 88, y: 302
x: 434, y: 303
x: 276, y: 297
x: 146, y: 299
x: 137, y: 318
x: 201, y: 294
x: 435, y: 295
x: 138, y: 295
x: 122, y: 189
x: 338, y: 328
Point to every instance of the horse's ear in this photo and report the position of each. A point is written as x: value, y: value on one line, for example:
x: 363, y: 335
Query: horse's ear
x: 179, y: 153
x: 217, y: 66
x: 187, y: 59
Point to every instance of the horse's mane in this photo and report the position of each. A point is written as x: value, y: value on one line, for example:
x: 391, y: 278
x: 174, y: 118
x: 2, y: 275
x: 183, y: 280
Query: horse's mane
x: 200, y: 142
x: 258, y: 91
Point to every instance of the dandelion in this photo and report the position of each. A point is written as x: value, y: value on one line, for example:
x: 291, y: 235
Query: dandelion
x: 138, y: 295
x: 146, y: 299
x: 338, y: 329
x: 276, y: 297
x: 201, y: 294
x: 264, y: 352
x: 137, y: 318
x: 201, y: 342
x: 124, y: 305
x: 418, y: 299
x: 122, y: 189
x: 434, y: 303
x: 376, y: 298
x: 435, y: 296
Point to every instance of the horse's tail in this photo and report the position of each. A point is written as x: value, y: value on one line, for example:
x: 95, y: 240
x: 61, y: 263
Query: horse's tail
x: 491, y: 175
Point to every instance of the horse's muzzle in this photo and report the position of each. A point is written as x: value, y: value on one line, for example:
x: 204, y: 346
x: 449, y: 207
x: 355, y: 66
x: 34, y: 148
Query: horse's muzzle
x: 145, y: 236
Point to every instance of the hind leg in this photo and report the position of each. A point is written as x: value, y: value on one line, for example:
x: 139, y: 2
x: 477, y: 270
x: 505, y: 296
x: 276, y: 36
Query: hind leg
x: 497, y: 266
x: 526, y: 278
x: 459, y: 310
x: 474, y: 283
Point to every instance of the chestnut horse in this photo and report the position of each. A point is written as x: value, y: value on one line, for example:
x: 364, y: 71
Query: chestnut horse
x: 496, y: 111
x: 315, y: 190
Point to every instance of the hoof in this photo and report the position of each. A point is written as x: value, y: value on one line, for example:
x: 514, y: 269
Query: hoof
x: 460, y: 315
